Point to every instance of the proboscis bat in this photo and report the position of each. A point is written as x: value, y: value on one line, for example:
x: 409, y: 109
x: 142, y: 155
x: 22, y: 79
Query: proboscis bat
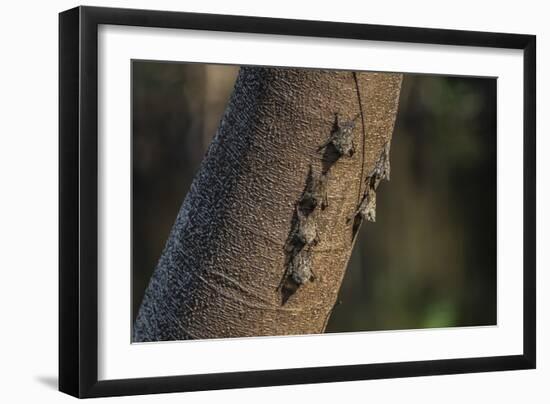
x: 367, y: 207
x: 299, y: 271
x: 306, y: 229
x: 381, y: 169
x: 315, y: 193
x: 342, y: 137
x: 300, y: 267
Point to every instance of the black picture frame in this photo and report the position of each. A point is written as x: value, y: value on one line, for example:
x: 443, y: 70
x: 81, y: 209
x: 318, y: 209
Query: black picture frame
x: 78, y: 201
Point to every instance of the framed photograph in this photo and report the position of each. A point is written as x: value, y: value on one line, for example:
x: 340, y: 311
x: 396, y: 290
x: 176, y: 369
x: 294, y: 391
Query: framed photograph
x: 251, y: 201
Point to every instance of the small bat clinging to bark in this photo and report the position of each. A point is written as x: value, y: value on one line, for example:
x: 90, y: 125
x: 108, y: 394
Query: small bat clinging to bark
x: 367, y: 208
x: 304, y: 232
x: 300, y: 267
x: 315, y: 193
x: 341, y: 137
x: 299, y: 271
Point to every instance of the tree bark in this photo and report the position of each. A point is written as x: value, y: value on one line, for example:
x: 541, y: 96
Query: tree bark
x: 224, y: 262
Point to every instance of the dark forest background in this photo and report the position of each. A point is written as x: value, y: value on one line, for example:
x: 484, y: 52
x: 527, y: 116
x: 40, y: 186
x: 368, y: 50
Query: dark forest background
x: 430, y: 258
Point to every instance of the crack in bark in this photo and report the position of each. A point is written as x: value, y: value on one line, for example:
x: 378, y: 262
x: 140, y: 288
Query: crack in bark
x: 364, y: 132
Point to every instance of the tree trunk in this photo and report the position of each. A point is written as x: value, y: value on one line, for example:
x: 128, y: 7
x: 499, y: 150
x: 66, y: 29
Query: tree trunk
x: 226, y: 270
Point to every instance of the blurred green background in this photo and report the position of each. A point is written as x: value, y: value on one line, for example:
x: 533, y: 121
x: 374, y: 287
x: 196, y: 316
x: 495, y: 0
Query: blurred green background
x: 430, y: 258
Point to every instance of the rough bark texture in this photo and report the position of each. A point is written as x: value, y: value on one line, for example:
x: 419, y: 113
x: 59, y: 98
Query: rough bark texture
x: 220, y: 273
